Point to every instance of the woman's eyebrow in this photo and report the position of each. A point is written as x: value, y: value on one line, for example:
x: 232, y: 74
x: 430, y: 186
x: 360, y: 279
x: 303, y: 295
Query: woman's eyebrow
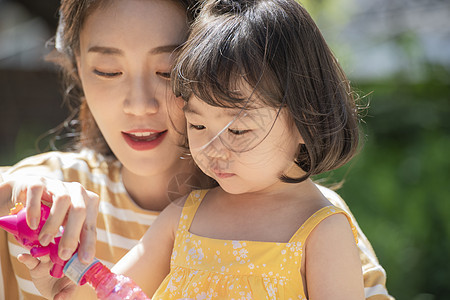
x: 106, y: 50
x: 116, y: 51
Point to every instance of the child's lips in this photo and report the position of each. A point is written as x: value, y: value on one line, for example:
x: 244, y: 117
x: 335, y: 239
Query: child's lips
x: 222, y: 175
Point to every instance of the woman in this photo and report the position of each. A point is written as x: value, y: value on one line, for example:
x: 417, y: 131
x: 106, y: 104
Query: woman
x: 117, y: 57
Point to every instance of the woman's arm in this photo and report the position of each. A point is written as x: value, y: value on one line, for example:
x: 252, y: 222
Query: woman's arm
x: 332, y: 264
x: 5, y: 197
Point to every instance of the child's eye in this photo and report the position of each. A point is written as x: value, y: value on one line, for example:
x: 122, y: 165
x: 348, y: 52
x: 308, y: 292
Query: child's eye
x: 238, y: 132
x: 165, y: 75
x: 107, y: 74
x: 197, y: 127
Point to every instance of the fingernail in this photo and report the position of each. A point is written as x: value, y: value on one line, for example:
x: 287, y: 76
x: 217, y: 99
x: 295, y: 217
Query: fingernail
x: 45, y: 239
x: 65, y: 254
x: 86, y: 257
x: 34, y: 222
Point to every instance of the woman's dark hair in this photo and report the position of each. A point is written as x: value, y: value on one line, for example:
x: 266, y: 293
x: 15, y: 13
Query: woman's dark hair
x: 275, y: 47
x: 73, y: 14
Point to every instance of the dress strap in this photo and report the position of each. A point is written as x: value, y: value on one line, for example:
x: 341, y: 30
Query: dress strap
x: 190, y: 208
x: 303, y: 232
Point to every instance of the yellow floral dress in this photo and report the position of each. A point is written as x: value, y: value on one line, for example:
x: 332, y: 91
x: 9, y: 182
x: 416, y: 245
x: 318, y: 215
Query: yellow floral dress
x: 207, y: 268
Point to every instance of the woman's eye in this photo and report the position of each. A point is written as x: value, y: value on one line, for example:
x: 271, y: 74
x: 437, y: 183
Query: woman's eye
x: 165, y: 75
x: 238, y: 132
x: 197, y: 127
x: 107, y: 74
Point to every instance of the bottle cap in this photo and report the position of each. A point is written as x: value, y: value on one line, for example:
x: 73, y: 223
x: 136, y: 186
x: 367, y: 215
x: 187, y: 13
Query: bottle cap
x: 75, y: 269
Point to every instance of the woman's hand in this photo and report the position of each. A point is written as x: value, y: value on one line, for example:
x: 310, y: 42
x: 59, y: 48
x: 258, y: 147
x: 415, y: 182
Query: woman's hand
x: 49, y: 287
x: 72, y: 206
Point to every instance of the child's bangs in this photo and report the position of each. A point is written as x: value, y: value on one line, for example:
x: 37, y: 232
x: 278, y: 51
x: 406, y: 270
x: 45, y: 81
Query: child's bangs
x: 220, y: 69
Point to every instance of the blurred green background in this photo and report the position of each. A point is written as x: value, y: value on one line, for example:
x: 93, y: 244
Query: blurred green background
x: 397, y: 55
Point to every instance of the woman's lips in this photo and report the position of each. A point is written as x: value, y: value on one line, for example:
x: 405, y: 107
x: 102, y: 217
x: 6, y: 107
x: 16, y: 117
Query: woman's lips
x: 142, y: 140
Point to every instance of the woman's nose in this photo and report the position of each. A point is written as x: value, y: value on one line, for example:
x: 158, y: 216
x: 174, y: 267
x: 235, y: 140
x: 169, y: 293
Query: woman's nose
x: 142, y: 97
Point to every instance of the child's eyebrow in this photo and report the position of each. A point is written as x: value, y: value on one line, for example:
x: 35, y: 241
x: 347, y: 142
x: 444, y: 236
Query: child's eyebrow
x: 189, y: 110
x: 225, y: 112
x: 165, y: 49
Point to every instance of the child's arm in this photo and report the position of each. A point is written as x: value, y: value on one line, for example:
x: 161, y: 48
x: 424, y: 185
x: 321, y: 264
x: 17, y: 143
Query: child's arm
x: 148, y: 263
x: 332, y: 264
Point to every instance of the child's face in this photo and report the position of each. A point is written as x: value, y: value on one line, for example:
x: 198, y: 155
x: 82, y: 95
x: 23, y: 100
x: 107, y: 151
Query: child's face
x: 124, y: 64
x: 243, y: 150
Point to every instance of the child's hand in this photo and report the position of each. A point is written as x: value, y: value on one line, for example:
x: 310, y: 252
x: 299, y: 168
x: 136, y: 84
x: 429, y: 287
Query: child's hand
x: 71, y: 206
x: 48, y: 286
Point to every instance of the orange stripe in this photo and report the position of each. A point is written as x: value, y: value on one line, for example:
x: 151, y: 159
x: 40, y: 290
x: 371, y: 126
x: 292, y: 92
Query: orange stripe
x: 379, y: 297
x: 109, y: 253
x: 373, y: 278
x: 130, y: 230
x: 28, y: 296
x: 9, y: 281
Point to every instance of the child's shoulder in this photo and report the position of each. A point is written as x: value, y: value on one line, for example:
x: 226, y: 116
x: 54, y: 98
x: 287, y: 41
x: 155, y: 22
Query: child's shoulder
x: 331, y: 225
x: 322, y: 213
x: 175, y: 208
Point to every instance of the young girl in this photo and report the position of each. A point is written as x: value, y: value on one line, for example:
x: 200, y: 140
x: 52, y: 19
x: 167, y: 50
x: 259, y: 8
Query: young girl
x: 267, y: 106
x: 118, y: 179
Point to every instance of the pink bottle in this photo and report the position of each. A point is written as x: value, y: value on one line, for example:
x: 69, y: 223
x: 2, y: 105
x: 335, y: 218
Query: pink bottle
x: 107, y: 285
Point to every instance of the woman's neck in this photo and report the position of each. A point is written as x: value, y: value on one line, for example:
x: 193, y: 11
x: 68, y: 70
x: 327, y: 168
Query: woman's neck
x: 156, y: 191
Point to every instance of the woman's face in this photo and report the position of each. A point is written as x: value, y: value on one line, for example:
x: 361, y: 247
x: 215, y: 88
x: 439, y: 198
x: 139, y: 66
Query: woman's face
x: 125, y: 59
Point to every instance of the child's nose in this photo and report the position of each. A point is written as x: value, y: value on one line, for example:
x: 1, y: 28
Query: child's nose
x: 216, y: 148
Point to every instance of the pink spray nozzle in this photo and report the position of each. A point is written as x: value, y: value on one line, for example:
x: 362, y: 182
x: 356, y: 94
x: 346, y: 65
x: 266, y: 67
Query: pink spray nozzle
x: 16, y: 224
x: 9, y: 223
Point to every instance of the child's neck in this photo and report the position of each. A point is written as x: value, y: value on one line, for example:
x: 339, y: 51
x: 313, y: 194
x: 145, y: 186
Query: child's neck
x: 297, y: 191
x: 268, y: 217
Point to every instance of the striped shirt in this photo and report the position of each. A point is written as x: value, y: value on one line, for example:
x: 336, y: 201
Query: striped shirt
x: 121, y: 223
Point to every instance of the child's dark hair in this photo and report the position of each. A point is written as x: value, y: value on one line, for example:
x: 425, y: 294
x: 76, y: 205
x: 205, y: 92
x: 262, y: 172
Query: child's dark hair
x: 275, y: 47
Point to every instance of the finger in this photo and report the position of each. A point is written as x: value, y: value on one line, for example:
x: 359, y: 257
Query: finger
x: 75, y: 220
x: 64, y: 289
x: 29, y: 261
x: 88, y: 236
x: 60, y: 207
x: 32, y: 194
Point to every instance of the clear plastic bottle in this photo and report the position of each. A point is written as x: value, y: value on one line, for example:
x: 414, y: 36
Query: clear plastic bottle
x: 107, y: 285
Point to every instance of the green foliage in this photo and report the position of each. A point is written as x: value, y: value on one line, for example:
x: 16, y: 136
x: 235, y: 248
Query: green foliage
x: 397, y: 187
x: 24, y: 144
